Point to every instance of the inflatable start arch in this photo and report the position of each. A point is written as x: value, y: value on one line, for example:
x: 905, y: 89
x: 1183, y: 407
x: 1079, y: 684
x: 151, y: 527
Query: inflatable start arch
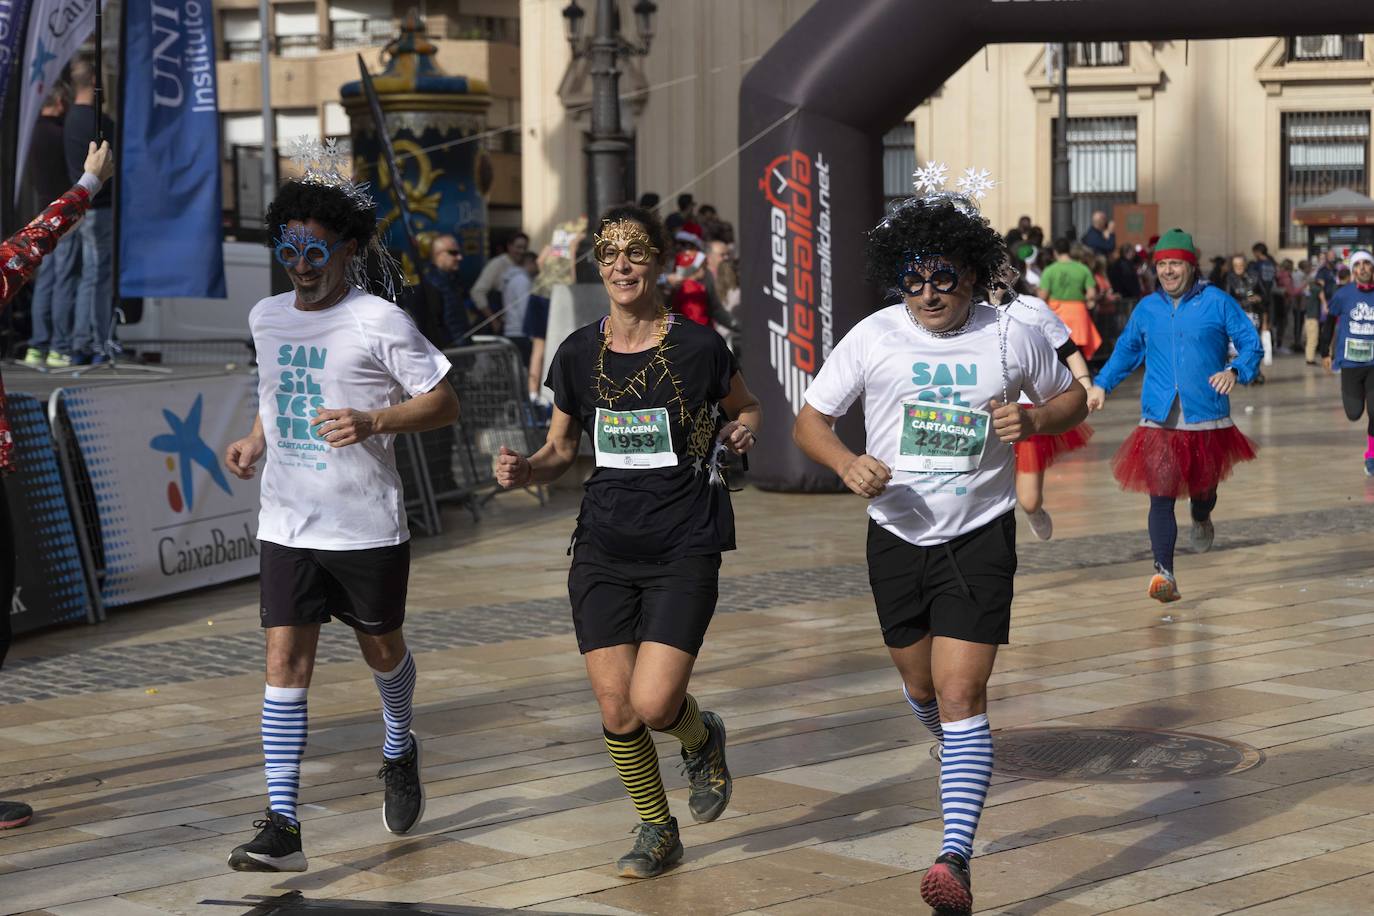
x: 810, y: 187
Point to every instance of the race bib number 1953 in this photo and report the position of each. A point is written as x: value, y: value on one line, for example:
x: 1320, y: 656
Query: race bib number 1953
x: 938, y: 439
x: 634, y: 439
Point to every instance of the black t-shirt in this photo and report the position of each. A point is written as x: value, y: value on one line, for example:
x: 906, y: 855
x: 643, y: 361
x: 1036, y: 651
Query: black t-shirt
x: 657, y: 513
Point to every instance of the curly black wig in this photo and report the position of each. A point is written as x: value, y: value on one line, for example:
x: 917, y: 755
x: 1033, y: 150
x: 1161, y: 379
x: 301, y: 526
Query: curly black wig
x: 653, y: 226
x: 328, y: 206
x: 935, y: 226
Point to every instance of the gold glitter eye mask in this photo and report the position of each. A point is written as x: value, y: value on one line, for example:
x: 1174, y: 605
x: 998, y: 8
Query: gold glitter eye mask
x: 623, y: 237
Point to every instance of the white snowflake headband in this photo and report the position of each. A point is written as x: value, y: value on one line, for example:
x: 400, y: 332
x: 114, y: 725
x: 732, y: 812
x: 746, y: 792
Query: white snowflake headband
x: 322, y: 164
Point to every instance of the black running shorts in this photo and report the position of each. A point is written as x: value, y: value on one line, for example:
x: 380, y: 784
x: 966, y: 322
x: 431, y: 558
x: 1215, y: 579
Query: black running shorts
x: 617, y: 602
x: 961, y: 589
x: 366, y: 589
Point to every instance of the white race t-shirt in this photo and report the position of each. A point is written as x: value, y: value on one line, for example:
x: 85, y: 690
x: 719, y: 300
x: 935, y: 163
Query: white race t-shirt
x: 1036, y: 312
x: 364, y: 353
x: 928, y: 397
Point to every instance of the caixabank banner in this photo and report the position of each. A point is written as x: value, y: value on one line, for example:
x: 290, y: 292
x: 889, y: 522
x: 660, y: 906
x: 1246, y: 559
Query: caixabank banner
x: 50, y: 580
x: 172, y: 518
x: 812, y: 113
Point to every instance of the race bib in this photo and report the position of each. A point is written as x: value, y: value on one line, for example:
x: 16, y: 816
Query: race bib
x: 1358, y: 351
x: 634, y: 439
x: 938, y: 439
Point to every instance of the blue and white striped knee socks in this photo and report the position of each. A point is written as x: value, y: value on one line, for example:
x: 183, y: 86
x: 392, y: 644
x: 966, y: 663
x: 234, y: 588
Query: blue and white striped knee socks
x: 284, y: 723
x: 965, y: 772
x: 928, y: 713
x: 397, y: 688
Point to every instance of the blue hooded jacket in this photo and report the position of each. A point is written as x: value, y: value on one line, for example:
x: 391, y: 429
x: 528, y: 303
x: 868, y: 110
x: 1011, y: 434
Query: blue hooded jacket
x: 1182, y: 348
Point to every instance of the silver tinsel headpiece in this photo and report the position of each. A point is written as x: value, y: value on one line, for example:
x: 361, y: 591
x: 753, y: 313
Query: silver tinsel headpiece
x: 323, y: 164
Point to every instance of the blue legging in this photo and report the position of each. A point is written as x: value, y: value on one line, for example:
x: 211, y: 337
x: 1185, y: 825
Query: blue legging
x: 1164, y: 528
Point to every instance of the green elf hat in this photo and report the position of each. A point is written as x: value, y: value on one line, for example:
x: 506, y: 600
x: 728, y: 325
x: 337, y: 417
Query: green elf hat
x: 1176, y: 245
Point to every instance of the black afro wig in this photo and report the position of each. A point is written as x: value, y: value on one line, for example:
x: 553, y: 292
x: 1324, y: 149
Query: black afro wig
x: 328, y: 206
x: 932, y: 226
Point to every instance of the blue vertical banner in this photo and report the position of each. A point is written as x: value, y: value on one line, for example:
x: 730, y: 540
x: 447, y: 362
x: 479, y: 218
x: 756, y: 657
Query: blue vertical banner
x: 13, y: 13
x: 170, y: 241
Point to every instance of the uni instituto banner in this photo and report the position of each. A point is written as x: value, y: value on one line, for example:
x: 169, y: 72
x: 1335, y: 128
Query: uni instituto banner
x: 172, y: 518
x: 170, y: 243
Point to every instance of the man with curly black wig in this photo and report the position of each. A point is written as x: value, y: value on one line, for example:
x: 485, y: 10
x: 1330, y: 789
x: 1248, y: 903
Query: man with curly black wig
x: 938, y: 375
x: 336, y: 366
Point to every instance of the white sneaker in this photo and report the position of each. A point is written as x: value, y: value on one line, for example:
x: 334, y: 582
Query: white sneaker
x: 1041, y: 525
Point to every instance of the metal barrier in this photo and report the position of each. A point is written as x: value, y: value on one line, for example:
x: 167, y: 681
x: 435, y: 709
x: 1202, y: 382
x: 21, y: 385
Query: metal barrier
x: 459, y: 461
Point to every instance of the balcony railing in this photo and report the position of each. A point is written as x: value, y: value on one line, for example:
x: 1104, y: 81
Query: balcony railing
x: 1098, y: 53
x: 298, y: 45
x: 1325, y: 48
x: 361, y: 33
x: 245, y: 49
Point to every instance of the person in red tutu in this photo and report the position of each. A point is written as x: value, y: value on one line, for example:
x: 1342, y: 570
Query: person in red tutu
x: 1035, y: 455
x: 1186, y: 443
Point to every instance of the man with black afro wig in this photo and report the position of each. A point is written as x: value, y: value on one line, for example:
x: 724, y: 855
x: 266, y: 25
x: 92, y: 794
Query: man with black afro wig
x: 946, y: 224
x: 938, y: 374
x: 343, y: 372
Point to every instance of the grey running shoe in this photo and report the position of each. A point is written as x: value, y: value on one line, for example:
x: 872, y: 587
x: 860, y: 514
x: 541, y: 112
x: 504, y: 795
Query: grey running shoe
x: 1202, y: 536
x: 708, y: 774
x: 404, y: 802
x: 657, y: 848
x: 1041, y: 525
x: 277, y: 847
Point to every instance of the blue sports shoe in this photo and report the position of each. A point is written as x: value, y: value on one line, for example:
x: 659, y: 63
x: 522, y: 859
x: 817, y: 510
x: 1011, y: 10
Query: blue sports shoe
x: 1369, y: 467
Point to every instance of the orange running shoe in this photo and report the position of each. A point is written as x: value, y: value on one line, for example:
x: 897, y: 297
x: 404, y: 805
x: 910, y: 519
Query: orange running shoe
x: 1163, y: 586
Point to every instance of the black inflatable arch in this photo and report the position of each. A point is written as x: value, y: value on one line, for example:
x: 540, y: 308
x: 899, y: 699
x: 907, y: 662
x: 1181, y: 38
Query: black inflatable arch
x: 811, y: 186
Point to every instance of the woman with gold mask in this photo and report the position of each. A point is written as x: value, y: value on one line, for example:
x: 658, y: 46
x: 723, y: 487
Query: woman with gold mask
x: 664, y: 403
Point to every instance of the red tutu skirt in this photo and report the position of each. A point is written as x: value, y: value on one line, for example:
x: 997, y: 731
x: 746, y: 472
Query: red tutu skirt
x: 1179, y: 462
x: 1039, y: 452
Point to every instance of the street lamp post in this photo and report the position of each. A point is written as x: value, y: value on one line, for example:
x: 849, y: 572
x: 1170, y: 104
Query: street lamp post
x: 1062, y: 215
x: 608, y: 150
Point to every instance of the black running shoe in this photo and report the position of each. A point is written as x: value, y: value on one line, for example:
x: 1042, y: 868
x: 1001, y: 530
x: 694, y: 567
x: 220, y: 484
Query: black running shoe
x: 707, y: 773
x: 277, y: 847
x: 14, y: 814
x: 948, y: 886
x: 657, y: 848
x: 404, y: 803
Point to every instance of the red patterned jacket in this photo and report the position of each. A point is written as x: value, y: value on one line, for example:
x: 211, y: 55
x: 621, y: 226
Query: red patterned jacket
x: 20, y: 255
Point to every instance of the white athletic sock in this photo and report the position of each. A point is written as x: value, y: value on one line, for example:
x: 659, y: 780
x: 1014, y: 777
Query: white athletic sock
x: 284, y: 725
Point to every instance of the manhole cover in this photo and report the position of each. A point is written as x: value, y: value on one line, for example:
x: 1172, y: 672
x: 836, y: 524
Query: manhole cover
x: 1117, y: 755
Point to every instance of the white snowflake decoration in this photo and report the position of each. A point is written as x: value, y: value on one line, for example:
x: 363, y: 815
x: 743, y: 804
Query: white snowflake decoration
x: 325, y: 164
x: 931, y: 177
x: 975, y: 183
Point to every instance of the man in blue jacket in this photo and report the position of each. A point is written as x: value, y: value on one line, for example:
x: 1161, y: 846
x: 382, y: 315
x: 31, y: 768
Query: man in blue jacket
x: 1186, y: 443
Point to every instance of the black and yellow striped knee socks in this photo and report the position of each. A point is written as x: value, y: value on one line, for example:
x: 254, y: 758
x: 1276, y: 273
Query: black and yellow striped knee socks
x: 637, y: 764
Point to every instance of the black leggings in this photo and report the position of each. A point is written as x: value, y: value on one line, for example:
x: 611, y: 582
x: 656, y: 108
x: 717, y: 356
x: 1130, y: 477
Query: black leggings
x: 1164, y: 527
x: 1357, y: 394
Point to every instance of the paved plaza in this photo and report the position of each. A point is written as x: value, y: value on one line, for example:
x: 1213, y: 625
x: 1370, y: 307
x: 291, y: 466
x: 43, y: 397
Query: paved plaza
x: 136, y: 741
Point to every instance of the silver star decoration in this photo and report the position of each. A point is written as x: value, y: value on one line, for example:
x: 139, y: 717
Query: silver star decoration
x: 975, y: 183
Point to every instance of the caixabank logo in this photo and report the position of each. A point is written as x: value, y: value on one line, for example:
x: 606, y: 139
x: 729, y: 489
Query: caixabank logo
x: 796, y: 185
